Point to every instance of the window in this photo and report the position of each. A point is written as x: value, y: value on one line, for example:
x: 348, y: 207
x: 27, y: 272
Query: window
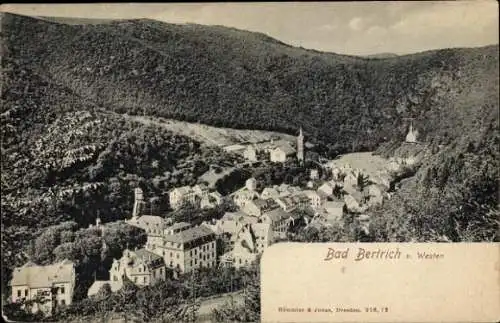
x: 25, y: 293
x: 62, y: 290
x: 171, y: 254
x: 171, y: 263
x: 140, y: 269
x: 177, y: 256
x: 195, y: 261
x: 115, y: 278
x: 63, y: 302
x: 195, y: 251
x: 135, y: 279
x: 18, y: 293
x: 239, y: 261
x: 161, y: 271
x: 144, y: 279
x: 191, y: 263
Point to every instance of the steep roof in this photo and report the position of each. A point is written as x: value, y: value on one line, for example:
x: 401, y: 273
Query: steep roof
x: 190, y: 234
x: 286, y: 148
x: 36, y: 276
x: 97, y: 285
x: 182, y: 190
x: 277, y: 214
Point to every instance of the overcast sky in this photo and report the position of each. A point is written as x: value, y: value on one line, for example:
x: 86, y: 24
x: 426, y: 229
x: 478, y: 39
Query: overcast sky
x: 348, y: 28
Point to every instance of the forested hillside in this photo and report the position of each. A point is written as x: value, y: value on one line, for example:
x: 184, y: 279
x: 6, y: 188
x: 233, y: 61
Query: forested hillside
x: 67, y: 154
x: 227, y: 77
x: 65, y: 159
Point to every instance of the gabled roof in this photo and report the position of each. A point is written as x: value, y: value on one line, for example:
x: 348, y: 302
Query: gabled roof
x: 286, y: 148
x: 182, y: 190
x: 97, y: 285
x: 36, y: 276
x: 190, y: 234
x: 277, y: 215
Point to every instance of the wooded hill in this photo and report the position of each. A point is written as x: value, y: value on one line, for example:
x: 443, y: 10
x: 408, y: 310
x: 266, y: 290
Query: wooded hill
x: 228, y: 77
x: 65, y: 85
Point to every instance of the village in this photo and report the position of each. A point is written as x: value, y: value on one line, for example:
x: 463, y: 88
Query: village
x: 261, y: 218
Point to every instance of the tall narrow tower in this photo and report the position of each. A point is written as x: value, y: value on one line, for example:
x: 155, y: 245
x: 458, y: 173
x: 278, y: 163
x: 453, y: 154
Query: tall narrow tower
x: 138, y: 202
x: 300, y: 146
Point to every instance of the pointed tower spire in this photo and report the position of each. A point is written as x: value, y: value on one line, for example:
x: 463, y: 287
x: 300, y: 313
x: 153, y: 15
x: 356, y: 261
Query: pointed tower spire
x: 300, y: 146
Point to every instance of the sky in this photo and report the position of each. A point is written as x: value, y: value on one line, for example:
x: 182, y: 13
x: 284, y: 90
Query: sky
x: 342, y: 27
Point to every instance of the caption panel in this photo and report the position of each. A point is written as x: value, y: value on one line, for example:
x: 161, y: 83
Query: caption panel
x: 352, y: 282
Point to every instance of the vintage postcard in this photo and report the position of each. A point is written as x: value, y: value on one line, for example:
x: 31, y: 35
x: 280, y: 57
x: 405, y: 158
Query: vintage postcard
x: 250, y: 162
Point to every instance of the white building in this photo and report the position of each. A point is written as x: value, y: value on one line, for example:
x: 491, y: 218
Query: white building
x: 314, y: 198
x: 142, y: 267
x: 211, y: 200
x: 411, y: 137
x: 186, y: 248
x: 188, y: 195
x: 250, y: 241
x: 54, y: 284
x: 250, y: 153
x: 281, y: 153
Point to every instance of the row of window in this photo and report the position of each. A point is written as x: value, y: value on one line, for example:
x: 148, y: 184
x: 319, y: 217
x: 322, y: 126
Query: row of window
x: 19, y: 292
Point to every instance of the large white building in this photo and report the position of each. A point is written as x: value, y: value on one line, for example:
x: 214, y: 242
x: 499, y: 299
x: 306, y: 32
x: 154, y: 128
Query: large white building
x: 142, y: 267
x: 281, y: 153
x: 181, y: 196
x: 185, y: 248
x: 248, y: 242
x: 53, y: 284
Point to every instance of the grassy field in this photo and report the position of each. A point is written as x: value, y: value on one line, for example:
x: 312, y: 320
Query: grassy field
x: 213, y: 135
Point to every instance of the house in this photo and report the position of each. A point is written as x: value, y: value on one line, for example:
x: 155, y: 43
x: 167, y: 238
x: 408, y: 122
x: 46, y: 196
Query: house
x: 180, y: 196
x: 53, y: 285
x: 314, y: 198
x: 279, y: 220
x: 250, y: 241
x: 351, y: 179
x: 364, y: 221
x: 251, y: 184
x: 314, y: 175
x: 200, y: 190
x: 211, y: 200
x: 336, y: 172
x: 281, y: 153
x: 153, y: 225
x: 269, y: 193
x: 354, y: 202
x: 326, y: 189
x: 188, y: 248
x: 334, y: 210
x: 375, y: 194
x: 237, y: 148
x: 250, y: 153
x: 243, y: 195
x: 258, y: 206
x: 292, y: 202
x: 142, y: 267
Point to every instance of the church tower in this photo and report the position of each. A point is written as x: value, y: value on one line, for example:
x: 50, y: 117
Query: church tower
x: 300, y: 146
x: 412, y: 134
x: 138, y: 203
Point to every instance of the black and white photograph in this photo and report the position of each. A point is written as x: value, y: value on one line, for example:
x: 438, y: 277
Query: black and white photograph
x: 151, y: 152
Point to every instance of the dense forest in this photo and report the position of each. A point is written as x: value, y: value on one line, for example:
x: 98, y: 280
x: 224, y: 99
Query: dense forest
x: 66, y: 160
x: 228, y: 77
